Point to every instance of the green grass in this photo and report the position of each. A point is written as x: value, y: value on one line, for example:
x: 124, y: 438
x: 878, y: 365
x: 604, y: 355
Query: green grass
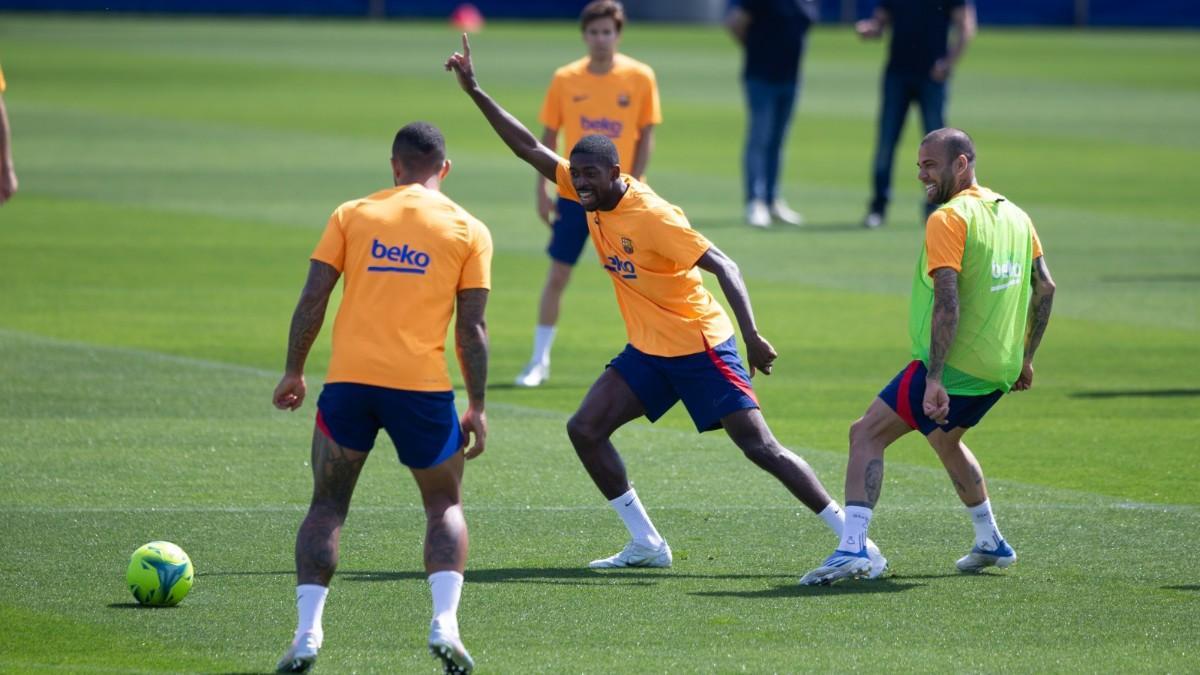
x: 175, y: 175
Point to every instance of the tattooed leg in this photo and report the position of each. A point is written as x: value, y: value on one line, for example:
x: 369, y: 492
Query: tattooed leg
x: 335, y: 472
x: 870, y: 435
x: 961, y: 465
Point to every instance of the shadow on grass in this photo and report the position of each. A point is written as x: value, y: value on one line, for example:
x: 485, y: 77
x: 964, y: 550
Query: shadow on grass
x: 578, y: 576
x: 1188, y: 587
x: 134, y: 605
x: 795, y: 590
x: 1137, y: 393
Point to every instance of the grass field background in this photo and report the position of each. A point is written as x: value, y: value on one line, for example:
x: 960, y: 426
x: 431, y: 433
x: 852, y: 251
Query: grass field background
x: 175, y: 174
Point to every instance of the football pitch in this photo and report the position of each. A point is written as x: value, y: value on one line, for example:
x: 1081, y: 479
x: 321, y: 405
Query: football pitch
x: 175, y: 175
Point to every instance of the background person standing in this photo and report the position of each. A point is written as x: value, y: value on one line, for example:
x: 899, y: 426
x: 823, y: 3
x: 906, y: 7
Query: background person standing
x: 920, y: 62
x: 772, y: 34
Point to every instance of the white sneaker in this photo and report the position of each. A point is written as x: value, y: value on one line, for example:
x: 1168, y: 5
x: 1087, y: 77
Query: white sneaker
x: 636, y: 555
x: 978, y: 559
x: 879, y: 564
x: 453, y: 655
x: 781, y: 211
x: 840, y: 565
x: 757, y: 214
x: 873, y: 220
x: 300, y: 656
x: 536, y: 373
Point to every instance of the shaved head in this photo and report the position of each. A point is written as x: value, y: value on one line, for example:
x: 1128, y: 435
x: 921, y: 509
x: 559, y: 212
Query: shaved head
x: 953, y: 142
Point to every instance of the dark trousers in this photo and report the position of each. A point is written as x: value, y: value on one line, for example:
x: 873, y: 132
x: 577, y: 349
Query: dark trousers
x: 769, y: 111
x: 900, y: 90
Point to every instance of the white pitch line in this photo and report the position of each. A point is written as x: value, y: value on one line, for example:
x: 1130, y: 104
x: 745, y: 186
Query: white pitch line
x: 1114, y: 502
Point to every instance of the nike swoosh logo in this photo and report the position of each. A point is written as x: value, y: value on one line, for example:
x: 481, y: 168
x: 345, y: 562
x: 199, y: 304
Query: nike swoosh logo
x: 628, y: 502
x: 577, y: 99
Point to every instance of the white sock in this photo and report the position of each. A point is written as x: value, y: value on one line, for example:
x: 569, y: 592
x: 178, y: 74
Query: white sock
x: 630, y: 508
x: 310, y: 605
x: 543, y: 338
x: 834, y: 517
x: 854, y: 535
x: 446, y: 587
x: 987, y: 534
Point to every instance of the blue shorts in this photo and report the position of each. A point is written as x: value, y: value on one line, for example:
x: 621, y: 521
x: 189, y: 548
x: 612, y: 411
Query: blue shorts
x: 711, y: 384
x: 906, y: 395
x: 570, y: 232
x: 423, y: 424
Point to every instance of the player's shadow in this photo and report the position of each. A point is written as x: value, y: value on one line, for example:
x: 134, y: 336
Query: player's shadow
x: 570, y: 576
x: 1186, y: 587
x: 1137, y: 393
x: 795, y: 590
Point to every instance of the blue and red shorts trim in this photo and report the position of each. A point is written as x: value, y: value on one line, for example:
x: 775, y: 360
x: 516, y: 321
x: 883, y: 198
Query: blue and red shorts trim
x: 423, y: 425
x: 712, y: 383
x: 906, y: 395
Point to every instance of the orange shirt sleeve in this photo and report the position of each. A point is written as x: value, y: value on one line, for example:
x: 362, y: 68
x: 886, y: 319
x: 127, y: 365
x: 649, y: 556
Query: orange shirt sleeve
x: 675, y: 239
x: 332, y: 247
x: 552, y: 114
x: 477, y: 269
x: 945, y: 240
x: 563, y: 177
x: 1037, y: 243
x: 2, y: 86
x: 651, y: 112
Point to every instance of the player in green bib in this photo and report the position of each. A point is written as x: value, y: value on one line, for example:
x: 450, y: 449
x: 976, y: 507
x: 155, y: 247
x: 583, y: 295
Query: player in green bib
x: 981, y: 299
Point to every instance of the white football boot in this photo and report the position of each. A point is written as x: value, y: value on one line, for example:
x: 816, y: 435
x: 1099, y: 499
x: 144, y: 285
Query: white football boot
x: 300, y: 656
x: 979, y: 559
x: 534, y: 375
x: 450, y: 651
x: 839, y: 565
x: 782, y: 212
x: 636, y: 555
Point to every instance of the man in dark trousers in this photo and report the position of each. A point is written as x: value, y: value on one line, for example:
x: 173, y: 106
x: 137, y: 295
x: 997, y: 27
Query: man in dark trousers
x: 921, y: 59
x: 772, y: 34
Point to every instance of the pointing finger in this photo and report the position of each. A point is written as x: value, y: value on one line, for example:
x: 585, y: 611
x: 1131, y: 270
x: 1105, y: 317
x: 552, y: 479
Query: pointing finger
x: 466, y: 46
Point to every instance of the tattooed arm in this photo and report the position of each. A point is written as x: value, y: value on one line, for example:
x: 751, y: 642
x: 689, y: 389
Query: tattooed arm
x: 941, y: 336
x: 306, y: 323
x: 1039, y: 316
x: 471, y: 344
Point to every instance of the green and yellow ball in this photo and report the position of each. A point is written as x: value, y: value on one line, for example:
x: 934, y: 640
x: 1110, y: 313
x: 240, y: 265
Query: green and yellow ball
x: 159, y: 574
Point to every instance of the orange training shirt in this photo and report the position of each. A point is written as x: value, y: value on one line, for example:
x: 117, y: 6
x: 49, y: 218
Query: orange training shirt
x: 617, y: 104
x: 404, y: 253
x: 650, y: 251
x: 946, y: 236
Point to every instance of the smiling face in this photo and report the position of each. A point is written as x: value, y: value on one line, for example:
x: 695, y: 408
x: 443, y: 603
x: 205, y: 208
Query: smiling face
x: 601, y: 37
x: 941, y: 175
x: 596, y: 181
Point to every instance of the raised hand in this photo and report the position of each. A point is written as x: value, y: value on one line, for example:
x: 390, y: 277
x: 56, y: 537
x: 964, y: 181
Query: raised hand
x: 460, y: 64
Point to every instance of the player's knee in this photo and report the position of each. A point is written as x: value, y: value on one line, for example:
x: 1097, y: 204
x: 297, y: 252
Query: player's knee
x: 761, y: 451
x: 584, y: 434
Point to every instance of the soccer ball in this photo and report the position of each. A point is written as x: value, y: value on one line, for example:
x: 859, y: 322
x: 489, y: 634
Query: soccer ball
x: 159, y: 574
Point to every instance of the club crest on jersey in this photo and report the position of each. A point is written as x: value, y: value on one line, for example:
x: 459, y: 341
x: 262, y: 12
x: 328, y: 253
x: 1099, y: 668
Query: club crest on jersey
x: 408, y: 260
x: 627, y: 245
x: 623, y: 100
x: 624, y: 268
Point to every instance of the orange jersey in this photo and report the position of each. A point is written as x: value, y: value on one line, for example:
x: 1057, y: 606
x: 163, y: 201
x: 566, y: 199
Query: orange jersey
x: 617, y: 104
x: 946, y: 236
x: 650, y: 251
x: 1, y: 80
x: 404, y: 254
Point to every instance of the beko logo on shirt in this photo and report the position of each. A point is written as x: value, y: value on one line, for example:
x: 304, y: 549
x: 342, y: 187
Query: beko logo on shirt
x: 410, y: 260
x: 625, y: 268
x: 1008, y: 271
x: 601, y: 125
